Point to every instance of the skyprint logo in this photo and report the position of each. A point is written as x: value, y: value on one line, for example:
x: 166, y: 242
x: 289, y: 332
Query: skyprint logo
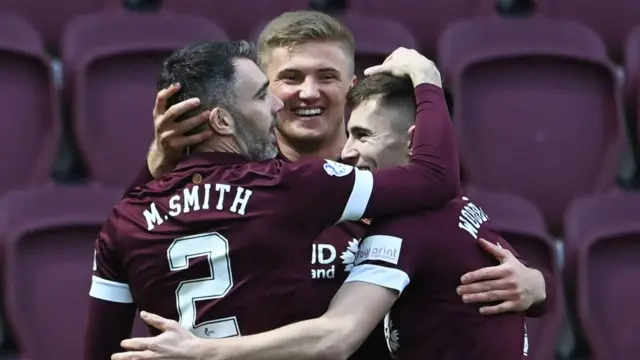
x: 349, y: 255
x: 380, y: 248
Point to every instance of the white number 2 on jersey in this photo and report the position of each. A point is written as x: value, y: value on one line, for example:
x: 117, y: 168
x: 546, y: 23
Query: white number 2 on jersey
x: 216, y: 248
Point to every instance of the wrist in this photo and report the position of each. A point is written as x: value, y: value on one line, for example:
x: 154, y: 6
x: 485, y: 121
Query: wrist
x: 425, y: 75
x: 539, y: 290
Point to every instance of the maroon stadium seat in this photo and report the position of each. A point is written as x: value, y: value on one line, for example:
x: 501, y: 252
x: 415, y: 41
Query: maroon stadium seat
x: 115, y: 60
x: 632, y: 70
x: 612, y: 19
x: 425, y: 19
x: 50, y: 236
x: 376, y: 38
x: 607, y: 232
x: 30, y: 119
x: 50, y: 20
x: 239, y: 18
x: 537, y: 108
x: 523, y: 226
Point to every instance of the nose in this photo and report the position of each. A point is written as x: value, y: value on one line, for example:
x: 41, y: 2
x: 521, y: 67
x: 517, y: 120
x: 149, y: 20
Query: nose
x: 309, y: 89
x: 349, y: 155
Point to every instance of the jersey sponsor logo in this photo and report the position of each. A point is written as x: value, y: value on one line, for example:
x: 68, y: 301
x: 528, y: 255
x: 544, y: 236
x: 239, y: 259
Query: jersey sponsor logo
x: 379, y: 248
x: 349, y: 254
x: 323, y: 257
x: 336, y: 169
x: 391, y: 335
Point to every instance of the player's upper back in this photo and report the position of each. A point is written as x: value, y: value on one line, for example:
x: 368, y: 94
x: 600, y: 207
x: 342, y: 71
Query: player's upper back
x: 217, y: 232
x: 423, y: 255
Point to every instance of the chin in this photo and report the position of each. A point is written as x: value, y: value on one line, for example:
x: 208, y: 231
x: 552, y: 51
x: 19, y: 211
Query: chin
x: 305, y: 133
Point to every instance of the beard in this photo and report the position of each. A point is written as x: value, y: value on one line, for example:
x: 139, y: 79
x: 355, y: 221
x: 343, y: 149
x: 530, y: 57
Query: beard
x: 257, y: 145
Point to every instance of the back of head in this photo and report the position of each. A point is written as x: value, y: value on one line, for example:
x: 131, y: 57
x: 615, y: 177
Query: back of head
x: 390, y: 92
x: 207, y: 71
x: 301, y: 27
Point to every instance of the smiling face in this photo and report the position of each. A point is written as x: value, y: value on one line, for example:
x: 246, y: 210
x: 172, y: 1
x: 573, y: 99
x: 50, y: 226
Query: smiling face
x: 373, y: 141
x: 312, y: 80
x: 381, y: 123
x: 308, y: 57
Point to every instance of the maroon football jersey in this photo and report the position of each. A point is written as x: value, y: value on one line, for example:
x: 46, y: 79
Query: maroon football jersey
x: 221, y: 244
x: 422, y: 255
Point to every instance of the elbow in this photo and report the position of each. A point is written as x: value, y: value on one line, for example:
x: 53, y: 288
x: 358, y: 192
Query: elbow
x: 450, y: 187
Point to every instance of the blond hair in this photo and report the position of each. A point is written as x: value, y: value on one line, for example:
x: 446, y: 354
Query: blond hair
x: 296, y: 28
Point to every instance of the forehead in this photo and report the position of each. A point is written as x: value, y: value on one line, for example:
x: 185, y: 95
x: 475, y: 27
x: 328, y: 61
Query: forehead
x: 249, y: 77
x: 371, y: 116
x: 310, y: 57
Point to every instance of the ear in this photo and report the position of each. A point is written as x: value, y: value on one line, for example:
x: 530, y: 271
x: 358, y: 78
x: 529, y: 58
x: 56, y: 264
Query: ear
x: 354, y: 81
x: 221, y: 122
x: 410, y: 138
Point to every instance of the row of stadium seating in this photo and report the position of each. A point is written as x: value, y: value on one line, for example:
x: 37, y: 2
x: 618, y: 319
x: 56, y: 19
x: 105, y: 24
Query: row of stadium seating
x: 48, y: 233
x: 613, y: 19
x: 537, y: 102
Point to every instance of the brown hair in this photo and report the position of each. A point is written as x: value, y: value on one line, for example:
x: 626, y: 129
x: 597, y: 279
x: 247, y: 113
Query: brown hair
x: 389, y: 91
x: 301, y: 27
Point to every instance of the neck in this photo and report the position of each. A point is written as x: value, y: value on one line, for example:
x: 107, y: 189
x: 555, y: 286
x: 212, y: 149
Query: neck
x: 330, y: 148
x: 224, y: 145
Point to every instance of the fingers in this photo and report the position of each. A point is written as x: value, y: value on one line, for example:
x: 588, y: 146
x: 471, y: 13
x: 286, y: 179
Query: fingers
x: 486, y: 286
x: 375, y: 70
x: 488, y: 273
x: 137, y: 343
x: 496, y: 250
x: 507, y: 306
x: 174, y: 112
x: 135, y: 355
x: 490, y: 296
x: 162, y: 98
x: 156, y: 321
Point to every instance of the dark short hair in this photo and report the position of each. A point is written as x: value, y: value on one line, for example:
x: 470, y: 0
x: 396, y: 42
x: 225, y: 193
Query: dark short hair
x: 390, y: 91
x: 205, y: 70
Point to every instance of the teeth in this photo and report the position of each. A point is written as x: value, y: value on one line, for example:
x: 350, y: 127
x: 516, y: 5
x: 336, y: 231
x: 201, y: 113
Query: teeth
x: 308, y: 111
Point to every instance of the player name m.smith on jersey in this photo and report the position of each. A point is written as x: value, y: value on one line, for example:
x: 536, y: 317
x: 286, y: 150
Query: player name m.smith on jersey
x: 198, y: 198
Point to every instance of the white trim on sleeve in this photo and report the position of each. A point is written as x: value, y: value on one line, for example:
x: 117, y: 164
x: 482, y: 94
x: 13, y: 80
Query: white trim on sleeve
x: 110, y: 290
x: 360, y: 195
x: 380, y: 275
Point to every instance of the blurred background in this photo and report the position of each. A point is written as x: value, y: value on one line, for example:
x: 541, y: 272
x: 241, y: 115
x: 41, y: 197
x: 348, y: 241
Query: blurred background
x: 544, y: 96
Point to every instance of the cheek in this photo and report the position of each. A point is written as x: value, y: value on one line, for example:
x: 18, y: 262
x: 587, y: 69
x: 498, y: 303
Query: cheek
x: 285, y: 92
x: 336, y: 94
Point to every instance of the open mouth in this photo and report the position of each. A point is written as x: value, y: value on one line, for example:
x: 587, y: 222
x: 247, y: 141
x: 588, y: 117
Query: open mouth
x: 308, y: 112
x: 363, y: 168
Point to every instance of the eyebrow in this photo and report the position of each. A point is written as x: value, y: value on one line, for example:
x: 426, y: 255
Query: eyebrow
x: 359, y: 129
x: 294, y: 70
x: 262, y: 89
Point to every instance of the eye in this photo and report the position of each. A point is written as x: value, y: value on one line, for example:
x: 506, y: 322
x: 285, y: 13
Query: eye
x: 262, y: 96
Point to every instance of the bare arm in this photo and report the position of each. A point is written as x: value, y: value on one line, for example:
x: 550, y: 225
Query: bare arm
x: 354, y: 312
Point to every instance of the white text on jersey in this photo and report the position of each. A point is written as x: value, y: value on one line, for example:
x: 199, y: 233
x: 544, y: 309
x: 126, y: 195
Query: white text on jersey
x: 470, y: 219
x: 190, y: 199
x: 322, y: 258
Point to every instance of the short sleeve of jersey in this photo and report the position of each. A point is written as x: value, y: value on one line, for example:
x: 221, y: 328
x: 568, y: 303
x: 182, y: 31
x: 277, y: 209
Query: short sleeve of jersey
x: 389, y: 256
x: 324, y: 192
x: 109, y: 281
